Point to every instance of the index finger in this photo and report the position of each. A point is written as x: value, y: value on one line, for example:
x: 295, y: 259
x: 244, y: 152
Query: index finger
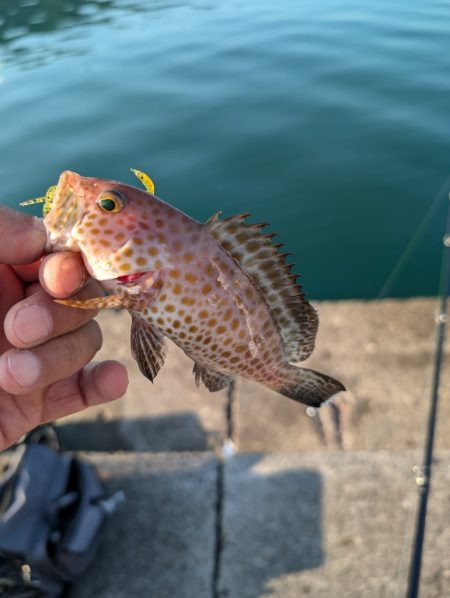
x: 23, y: 237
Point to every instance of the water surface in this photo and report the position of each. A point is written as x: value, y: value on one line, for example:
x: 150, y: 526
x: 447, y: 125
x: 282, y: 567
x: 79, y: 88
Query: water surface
x: 330, y: 119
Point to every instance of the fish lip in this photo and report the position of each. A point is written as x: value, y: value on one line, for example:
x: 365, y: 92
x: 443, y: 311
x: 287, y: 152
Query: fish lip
x: 147, y: 283
x: 132, y: 279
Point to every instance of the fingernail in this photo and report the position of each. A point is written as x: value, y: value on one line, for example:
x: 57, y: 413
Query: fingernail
x: 24, y: 367
x: 71, y: 275
x: 32, y: 323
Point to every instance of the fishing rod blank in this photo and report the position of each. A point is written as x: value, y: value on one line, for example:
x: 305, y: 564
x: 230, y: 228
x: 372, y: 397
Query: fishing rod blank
x: 423, y: 475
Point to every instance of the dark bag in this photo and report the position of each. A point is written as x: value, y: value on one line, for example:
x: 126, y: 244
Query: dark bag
x: 52, y: 507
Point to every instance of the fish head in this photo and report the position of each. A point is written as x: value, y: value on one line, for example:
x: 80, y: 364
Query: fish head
x: 111, y: 224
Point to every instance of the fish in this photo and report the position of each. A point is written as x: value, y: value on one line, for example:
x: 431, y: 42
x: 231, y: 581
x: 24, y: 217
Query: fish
x: 220, y: 290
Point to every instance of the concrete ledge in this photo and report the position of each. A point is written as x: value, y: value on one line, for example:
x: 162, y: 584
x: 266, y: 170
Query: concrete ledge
x: 383, y: 352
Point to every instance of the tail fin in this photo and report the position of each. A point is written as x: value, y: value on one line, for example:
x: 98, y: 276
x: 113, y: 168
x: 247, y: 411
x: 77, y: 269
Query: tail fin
x: 308, y: 386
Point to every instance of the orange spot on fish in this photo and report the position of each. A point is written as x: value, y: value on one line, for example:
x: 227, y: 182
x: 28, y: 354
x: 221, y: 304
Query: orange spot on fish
x: 177, y: 289
x: 188, y: 301
x: 141, y: 261
x: 189, y: 277
x: 188, y: 257
x: 170, y: 308
x: 174, y: 273
x: 152, y: 251
x: 128, y: 252
x: 203, y: 314
x: 220, y: 329
x: 207, y: 288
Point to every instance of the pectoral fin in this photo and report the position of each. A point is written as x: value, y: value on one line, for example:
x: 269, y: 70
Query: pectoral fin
x: 212, y: 379
x: 148, y: 347
x: 107, y: 302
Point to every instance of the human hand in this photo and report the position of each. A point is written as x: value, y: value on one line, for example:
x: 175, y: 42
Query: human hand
x: 46, y: 348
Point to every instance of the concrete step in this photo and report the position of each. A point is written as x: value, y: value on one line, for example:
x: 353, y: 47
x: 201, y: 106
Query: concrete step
x: 383, y: 351
x: 257, y: 525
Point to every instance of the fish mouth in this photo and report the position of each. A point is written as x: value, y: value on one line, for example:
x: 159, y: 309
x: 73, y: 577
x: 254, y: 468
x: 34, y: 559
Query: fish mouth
x: 132, y: 278
x: 149, y: 282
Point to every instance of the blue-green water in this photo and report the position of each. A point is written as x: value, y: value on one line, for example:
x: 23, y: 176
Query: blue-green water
x: 330, y: 119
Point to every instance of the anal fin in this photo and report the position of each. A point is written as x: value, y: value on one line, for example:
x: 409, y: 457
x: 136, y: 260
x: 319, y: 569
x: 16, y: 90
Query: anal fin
x: 212, y: 379
x: 148, y: 347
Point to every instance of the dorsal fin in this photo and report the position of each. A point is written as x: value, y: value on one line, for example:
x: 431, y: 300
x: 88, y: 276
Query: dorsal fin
x: 295, y: 318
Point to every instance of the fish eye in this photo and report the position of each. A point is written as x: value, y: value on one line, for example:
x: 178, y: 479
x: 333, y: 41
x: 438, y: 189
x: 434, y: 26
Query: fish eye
x: 111, y: 201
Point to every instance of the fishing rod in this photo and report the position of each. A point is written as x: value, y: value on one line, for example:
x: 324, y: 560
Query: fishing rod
x: 423, y: 473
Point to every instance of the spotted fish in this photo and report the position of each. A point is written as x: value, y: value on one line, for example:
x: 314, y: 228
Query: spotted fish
x: 220, y: 290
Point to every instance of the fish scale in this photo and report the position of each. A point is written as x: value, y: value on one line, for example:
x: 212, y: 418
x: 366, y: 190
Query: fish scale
x: 220, y: 290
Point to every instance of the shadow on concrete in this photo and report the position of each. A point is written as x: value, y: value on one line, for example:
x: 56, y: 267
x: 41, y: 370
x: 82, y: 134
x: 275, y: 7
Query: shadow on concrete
x: 160, y: 541
x: 272, y: 526
x: 180, y: 432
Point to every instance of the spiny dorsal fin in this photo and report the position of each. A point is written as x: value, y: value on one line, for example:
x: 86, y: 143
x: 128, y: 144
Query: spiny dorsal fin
x: 145, y: 180
x: 212, y: 379
x: 214, y: 218
x: 295, y: 318
x: 148, y: 347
